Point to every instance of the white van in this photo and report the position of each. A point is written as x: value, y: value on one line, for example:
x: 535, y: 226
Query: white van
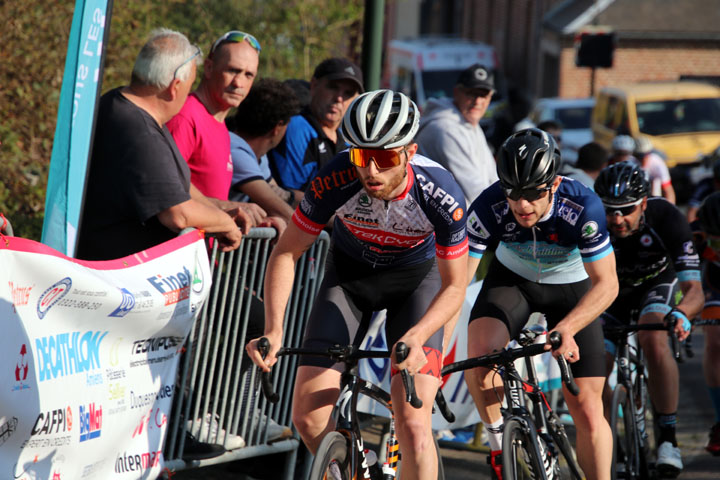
x: 428, y: 67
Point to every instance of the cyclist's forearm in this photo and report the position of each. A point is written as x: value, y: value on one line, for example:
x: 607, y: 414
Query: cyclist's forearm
x: 693, y: 298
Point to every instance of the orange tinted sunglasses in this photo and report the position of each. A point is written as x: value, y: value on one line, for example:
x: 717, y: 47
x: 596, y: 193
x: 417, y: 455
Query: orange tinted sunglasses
x: 361, y: 157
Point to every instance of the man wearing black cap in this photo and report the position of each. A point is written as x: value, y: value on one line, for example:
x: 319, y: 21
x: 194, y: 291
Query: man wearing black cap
x: 450, y: 131
x: 313, y: 138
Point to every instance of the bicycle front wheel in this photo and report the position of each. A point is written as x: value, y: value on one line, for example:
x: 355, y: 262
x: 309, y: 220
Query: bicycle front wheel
x: 332, y: 459
x: 625, y: 456
x: 519, y: 458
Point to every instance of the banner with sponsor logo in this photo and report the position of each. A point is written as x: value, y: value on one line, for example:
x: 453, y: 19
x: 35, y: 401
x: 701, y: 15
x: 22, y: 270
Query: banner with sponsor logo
x: 89, y: 356
x: 377, y: 370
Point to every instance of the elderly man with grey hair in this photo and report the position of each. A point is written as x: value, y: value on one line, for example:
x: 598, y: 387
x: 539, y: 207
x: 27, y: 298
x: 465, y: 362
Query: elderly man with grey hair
x: 138, y: 191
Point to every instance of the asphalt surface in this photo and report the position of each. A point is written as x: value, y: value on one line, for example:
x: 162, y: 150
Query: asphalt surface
x: 695, y: 416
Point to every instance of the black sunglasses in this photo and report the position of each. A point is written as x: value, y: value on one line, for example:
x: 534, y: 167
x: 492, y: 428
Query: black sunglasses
x: 529, y: 194
x: 619, y: 211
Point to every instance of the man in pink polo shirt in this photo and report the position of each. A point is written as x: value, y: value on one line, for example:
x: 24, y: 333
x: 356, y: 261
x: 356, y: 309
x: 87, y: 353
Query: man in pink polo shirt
x: 199, y: 129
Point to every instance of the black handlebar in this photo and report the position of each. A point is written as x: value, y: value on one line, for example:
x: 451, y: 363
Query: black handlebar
x: 668, y: 325
x: 565, y: 372
x: 263, y: 347
x: 509, y: 355
x: 443, y: 406
x: 401, y: 353
x: 344, y: 353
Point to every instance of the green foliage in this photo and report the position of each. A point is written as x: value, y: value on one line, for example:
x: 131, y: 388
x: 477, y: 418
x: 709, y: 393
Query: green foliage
x: 295, y: 36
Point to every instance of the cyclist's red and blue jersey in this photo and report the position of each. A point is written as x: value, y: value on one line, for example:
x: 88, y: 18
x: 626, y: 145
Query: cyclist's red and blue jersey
x: 553, y: 251
x: 426, y: 220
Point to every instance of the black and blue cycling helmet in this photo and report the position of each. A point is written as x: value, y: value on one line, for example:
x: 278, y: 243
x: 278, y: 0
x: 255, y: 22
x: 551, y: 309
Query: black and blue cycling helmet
x: 621, y: 184
x: 528, y: 159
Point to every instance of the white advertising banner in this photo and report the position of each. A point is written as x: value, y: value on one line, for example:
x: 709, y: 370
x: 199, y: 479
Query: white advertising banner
x: 454, y: 388
x: 90, y: 352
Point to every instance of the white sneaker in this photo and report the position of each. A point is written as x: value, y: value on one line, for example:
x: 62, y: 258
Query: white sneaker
x: 669, y: 461
x: 208, y: 431
x: 275, y: 431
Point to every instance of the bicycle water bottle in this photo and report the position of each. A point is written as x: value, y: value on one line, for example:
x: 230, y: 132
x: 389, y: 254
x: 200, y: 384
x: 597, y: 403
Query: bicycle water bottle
x: 372, y: 463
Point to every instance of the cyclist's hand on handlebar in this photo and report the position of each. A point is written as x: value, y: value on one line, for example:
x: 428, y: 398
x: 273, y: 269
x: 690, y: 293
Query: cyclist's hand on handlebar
x: 416, y: 358
x: 270, y: 359
x: 568, y: 348
x: 682, y: 323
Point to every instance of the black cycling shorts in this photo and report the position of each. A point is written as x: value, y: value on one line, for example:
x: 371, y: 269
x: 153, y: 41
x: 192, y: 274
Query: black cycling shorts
x: 659, y: 294
x: 351, y: 291
x: 511, y: 299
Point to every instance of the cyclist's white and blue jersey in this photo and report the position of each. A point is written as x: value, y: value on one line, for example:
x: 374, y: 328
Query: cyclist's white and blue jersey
x: 426, y: 220
x: 573, y: 232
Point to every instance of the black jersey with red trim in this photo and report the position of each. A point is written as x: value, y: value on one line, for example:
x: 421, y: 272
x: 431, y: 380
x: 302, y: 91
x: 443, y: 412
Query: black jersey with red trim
x: 427, y: 219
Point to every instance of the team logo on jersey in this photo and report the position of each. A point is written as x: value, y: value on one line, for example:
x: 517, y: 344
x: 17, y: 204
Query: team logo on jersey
x: 500, y: 209
x: 510, y: 226
x: 458, y: 214
x: 364, y: 200
x: 569, y: 211
x: 688, y: 247
x: 589, y: 229
x: 475, y: 226
x: 646, y: 240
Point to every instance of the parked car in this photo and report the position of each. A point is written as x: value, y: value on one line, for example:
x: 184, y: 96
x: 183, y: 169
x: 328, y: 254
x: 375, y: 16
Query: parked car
x: 681, y: 119
x: 573, y: 114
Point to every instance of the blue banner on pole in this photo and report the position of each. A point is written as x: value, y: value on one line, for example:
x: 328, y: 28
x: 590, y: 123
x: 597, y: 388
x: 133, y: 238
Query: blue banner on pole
x: 75, y: 124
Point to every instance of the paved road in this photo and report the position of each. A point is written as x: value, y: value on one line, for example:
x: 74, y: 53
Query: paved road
x: 694, y: 419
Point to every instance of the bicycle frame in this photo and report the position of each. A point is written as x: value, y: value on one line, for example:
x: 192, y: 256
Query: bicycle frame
x: 346, y: 419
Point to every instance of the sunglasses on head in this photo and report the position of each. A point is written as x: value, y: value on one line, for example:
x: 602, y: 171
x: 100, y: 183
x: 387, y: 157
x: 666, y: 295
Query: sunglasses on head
x: 361, y: 157
x: 197, y: 52
x: 236, y: 36
x: 620, y: 211
x: 529, y: 194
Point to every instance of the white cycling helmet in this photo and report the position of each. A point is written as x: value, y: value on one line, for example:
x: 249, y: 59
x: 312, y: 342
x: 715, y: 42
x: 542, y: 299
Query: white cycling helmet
x: 381, y: 119
x: 643, y: 145
x: 623, y: 143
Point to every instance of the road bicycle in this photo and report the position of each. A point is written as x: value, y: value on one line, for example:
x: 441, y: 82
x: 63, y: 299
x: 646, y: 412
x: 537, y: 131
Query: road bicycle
x: 342, y: 454
x: 533, y: 435
x: 629, y: 407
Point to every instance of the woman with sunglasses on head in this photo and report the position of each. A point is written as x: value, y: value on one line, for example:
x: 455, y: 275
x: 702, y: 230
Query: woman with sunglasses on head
x: 552, y: 255
x: 656, y: 264
x: 399, y: 243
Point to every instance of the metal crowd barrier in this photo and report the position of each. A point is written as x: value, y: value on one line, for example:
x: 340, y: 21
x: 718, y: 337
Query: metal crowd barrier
x: 214, y: 377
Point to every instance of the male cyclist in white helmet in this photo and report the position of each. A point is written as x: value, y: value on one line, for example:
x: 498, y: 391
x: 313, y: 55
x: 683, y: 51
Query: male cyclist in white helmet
x: 398, y: 243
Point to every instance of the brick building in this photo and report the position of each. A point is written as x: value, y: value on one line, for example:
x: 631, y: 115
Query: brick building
x: 534, y: 39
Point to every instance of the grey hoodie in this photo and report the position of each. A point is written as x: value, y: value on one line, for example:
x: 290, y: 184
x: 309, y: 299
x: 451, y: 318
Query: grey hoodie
x: 446, y: 137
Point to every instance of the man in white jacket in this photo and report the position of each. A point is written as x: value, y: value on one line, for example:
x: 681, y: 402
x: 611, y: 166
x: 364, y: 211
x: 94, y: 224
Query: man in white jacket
x: 450, y: 131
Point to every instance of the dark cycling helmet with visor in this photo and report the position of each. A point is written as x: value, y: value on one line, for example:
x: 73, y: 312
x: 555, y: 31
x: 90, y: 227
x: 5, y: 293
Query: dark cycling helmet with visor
x: 709, y: 214
x: 377, y: 122
x: 527, y: 164
x: 621, y: 187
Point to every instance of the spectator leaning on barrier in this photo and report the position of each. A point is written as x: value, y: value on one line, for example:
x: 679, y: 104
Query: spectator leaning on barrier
x: 450, y: 131
x: 313, y: 138
x: 592, y: 158
x: 199, y: 128
x: 258, y: 125
x: 138, y: 191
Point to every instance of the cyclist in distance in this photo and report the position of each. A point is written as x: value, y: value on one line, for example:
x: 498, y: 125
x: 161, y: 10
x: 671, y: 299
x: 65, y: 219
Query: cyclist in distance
x: 706, y: 230
x: 399, y: 243
x: 553, y: 255
x: 659, y: 275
